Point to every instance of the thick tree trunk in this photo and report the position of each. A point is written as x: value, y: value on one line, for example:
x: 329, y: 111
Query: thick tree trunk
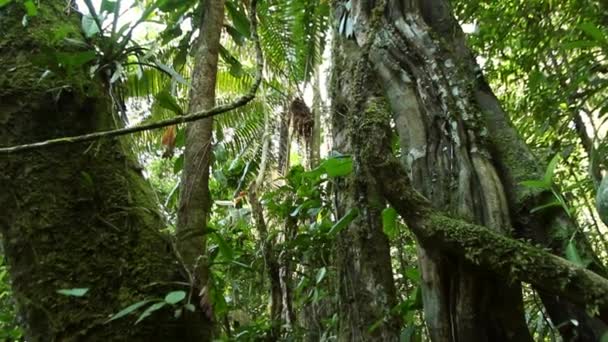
x: 515, y: 163
x: 452, y: 134
x: 366, y: 289
x: 195, y: 200
x: 79, y: 215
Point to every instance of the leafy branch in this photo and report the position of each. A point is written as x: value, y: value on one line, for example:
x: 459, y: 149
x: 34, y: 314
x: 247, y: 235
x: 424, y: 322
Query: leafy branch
x: 239, y: 102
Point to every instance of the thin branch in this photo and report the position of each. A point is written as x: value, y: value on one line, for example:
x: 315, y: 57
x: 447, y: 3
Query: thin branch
x: 241, y: 101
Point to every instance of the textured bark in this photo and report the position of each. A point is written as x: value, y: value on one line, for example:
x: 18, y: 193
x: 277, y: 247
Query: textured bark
x: 284, y: 142
x: 195, y: 201
x: 317, y: 109
x: 480, y: 246
x: 516, y: 163
x: 453, y: 133
x: 366, y: 292
x: 271, y: 263
x: 78, y: 215
x: 448, y: 163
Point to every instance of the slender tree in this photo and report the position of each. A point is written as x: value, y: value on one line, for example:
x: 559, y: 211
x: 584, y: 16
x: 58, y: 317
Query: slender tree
x: 195, y: 199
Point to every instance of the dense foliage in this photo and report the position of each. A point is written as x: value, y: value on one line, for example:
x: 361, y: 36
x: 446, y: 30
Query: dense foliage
x: 546, y: 60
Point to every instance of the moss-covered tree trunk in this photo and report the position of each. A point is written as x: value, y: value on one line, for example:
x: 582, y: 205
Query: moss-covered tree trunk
x: 366, y: 291
x: 78, y: 215
x: 462, y: 153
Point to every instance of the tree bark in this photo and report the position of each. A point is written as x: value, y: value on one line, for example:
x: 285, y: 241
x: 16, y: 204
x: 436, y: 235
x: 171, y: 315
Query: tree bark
x: 78, y: 215
x: 195, y: 201
x: 459, y: 149
x: 366, y: 291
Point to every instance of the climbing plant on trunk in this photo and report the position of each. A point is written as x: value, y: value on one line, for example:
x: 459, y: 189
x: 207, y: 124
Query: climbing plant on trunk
x: 461, y: 152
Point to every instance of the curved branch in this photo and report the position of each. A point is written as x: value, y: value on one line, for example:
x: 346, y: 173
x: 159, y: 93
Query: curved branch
x: 241, y: 101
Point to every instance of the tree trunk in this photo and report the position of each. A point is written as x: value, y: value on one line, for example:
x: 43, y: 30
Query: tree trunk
x: 78, y: 215
x: 366, y: 291
x: 449, y: 125
x: 271, y: 263
x: 195, y: 200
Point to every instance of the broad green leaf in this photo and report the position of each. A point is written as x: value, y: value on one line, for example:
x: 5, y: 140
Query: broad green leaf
x: 5, y: 2
x: 175, y: 297
x: 89, y: 26
x: 321, y: 274
x: 604, y: 337
x: 167, y: 101
x: 30, y: 8
x: 78, y: 292
x: 344, y: 221
x: 129, y: 309
x: 389, y: 222
x: 150, y: 310
x: 338, y: 166
x: 239, y: 19
x: 190, y: 307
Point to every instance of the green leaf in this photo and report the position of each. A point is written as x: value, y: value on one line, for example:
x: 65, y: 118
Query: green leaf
x: 321, y: 274
x: 536, y: 184
x: 167, y: 101
x: 554, y: 203
x: 573, y: 255
x: 224, y: 247
x: 593, y: 31
x: 239, y: 19
x: 89, y: 26
x: 129, y: 309
x: 389, y: 222
x: 178, y: 165
x: 190, y: 307
x: 174, y: 74
x: 548, y: 179
x: 413, y: 274
x: 108, y: 6
x: 338, y: 166
x: 175, y: 297
x: 237, y: 37
x: 5, y: 2
x: 344, y: 221
x: 78, y: 292
x: 150, y: 310
x: 604, y: 337
x: 30, y: 8
x: 579, y: 44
